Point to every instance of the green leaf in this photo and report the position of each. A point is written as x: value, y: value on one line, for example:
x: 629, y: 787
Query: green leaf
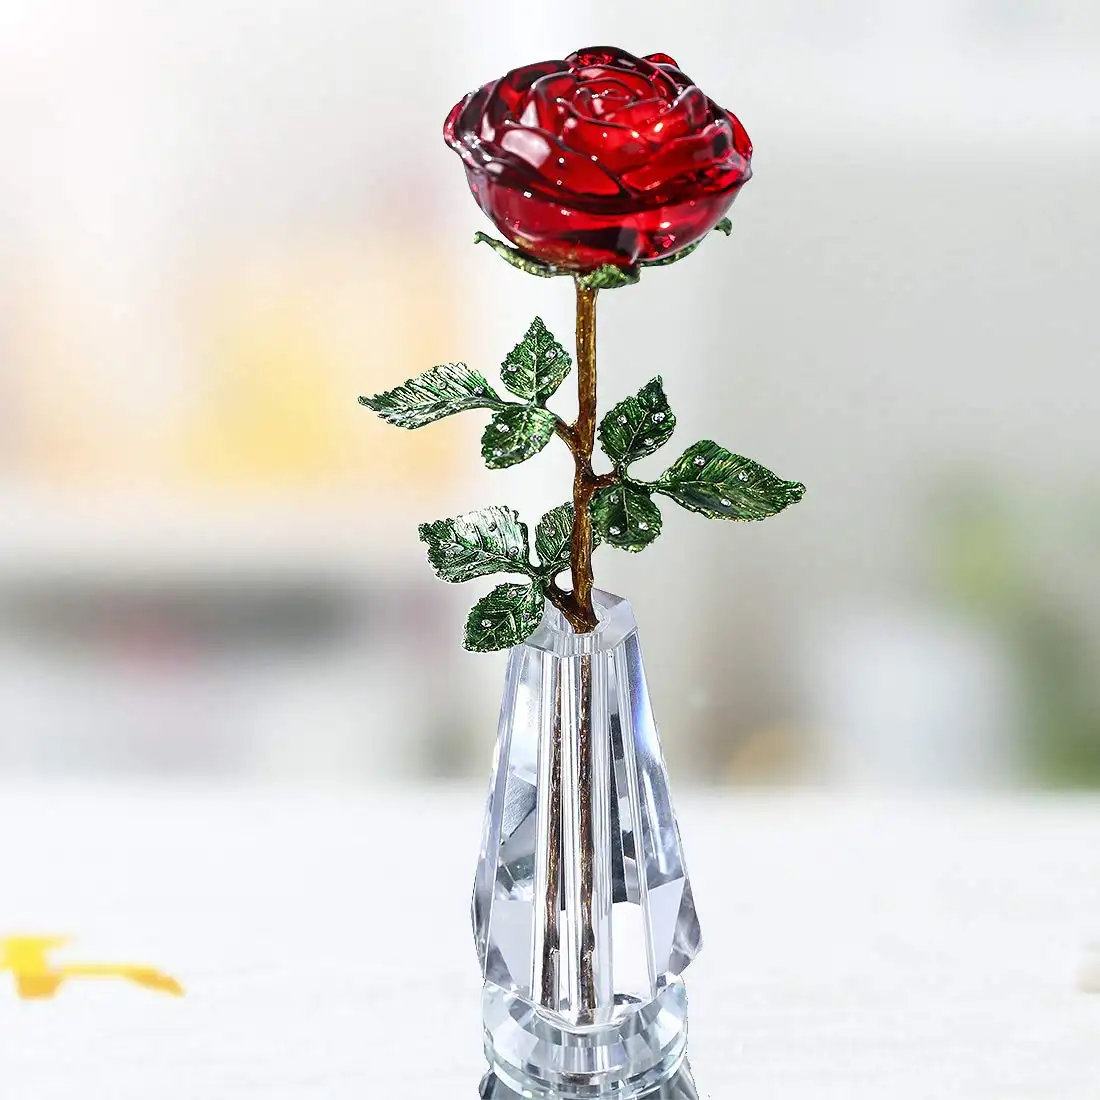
x: 609, y: 277
x: 442, y: 391
x: 553, y: 538
x: 490, y: 540
x: 725, y: 226
x: 637, y: 426
x: 625, y: 516
x: 709, y: 479
x: 517, y: 258
x: 536, y: 366
x: 504, y: 618
x: 515, y: 434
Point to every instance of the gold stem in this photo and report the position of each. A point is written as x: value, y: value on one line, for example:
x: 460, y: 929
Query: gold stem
x: 580, y: 437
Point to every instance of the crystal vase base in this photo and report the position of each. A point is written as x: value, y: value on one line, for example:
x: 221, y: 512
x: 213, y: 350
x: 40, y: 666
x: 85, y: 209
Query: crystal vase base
x: 537, y: 1054
x: 583, y: 912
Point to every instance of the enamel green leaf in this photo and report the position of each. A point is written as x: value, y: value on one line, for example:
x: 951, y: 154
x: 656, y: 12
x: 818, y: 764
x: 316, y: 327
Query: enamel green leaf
x: 553, y: 539
x: 537, y: 365
x: 637, y: 425
x: 515, y: 434
x: 475, y: 544
x: 517, y: 258
x: 609, y: 277
x: 504, y: 618
x: 625, y: 516
x: 709, y: 479
x: 442, y: 391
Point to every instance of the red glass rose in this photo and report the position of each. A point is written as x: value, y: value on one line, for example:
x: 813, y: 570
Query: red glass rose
x: 603, y: 158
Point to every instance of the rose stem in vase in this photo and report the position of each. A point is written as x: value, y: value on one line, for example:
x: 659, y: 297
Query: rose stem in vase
x: 577, y: 608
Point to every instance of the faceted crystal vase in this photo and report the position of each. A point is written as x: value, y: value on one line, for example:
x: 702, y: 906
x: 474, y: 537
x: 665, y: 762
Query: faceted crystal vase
x: 582, y: 910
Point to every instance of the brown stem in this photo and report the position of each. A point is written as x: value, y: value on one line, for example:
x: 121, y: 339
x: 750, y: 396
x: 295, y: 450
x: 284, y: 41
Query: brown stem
x: 580, y: 437
x: 551, y: 946
x: 576, y: 606
x: 586, y: 843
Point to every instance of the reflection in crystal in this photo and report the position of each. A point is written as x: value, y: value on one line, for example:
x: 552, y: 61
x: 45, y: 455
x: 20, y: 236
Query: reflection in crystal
x: 679, y: 1087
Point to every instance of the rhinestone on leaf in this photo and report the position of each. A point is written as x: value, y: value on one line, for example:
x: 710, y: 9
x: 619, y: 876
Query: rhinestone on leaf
x: 658, y: 417
x: 725, y: 503
x: 622, y: 419
x: 648, y: 441
x: 497, y: 452
x: 643, y: 526
x: 615, y: 530
x: 700, y: 460
x: 502, y: 427
x: 742, y: 476
x: 486, y: 622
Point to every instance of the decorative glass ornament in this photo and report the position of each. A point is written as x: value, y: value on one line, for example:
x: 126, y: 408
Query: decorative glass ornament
x: 583, y: 912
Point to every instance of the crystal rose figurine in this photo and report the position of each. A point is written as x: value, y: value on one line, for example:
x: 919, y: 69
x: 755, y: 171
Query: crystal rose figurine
x: 596, y: 167
x: 603, y: 158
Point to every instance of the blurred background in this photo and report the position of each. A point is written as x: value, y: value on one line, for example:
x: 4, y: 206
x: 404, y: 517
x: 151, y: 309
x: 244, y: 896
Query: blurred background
x: 221, y: 222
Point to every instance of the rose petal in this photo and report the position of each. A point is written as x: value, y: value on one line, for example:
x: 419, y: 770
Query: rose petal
x: 467, y: 122
x: 676, y: 76
x: 561, y: 170
x: 498, y: 107
x: 605, y: 95
x: 599, y: 77
x: 616, y: 148
x: 450, y: 125
x: 512, y: 88
x: 637, y: 114
x: 661, y: 59
x: 685, y: 156
x: 546, y: 101
x: 610, y: 56
x: 531, y: 146
x: 741, y: 140
x: 689, y: 113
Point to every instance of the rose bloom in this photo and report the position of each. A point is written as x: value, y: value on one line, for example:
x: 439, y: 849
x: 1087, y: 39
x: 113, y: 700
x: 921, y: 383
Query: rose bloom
x: 603, y: 158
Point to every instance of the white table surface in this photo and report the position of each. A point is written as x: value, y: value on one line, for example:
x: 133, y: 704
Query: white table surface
x: 879, y: 949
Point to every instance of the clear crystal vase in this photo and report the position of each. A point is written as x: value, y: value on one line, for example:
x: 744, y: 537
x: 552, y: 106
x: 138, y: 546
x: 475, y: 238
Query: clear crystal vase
x: 582, y: 909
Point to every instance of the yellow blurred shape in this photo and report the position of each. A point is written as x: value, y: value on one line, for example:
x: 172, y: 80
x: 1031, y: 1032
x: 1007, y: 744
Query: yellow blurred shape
x: 26, y: 958
x: 291, y: 340
x: 772, y: 754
